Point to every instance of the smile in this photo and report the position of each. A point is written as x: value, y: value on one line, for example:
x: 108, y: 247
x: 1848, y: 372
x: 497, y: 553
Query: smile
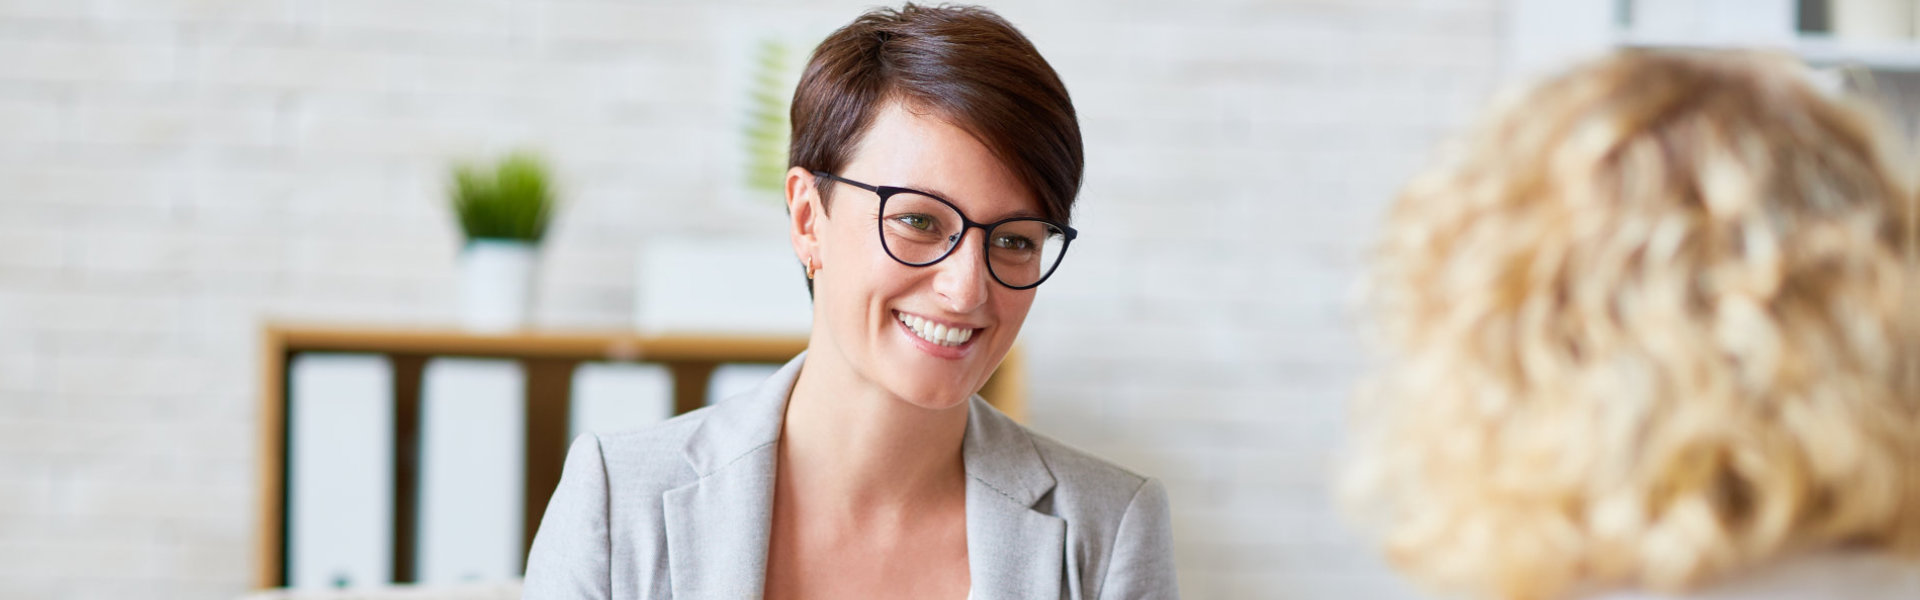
x: 935, y: 333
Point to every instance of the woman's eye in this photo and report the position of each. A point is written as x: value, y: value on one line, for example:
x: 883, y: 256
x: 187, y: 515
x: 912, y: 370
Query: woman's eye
x: 920, y: 222
x: 1013, y: 242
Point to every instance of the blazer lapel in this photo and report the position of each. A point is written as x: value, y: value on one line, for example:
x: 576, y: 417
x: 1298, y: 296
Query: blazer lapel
x: 718, y: 526
x: 717, y: 531
x: 1013, y: 550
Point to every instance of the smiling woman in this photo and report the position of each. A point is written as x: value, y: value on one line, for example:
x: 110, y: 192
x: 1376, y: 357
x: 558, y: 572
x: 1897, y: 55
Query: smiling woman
x: 869, y: 466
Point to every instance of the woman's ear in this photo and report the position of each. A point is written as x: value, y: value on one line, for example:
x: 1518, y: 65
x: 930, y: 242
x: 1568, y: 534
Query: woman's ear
x: 804, y: 210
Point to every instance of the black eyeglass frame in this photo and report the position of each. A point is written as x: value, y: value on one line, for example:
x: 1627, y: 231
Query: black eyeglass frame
x: 986, y: 229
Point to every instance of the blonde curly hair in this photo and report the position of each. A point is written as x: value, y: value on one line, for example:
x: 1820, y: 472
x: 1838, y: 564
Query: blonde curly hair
x: 1645, y: 329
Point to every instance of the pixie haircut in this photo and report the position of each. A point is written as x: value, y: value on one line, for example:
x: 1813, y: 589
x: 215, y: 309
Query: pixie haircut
x: 962, y: 64
x: 1646, y: 328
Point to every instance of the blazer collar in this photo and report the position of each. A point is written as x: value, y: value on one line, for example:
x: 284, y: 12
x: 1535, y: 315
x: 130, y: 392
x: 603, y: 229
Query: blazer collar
x: 996, y: 450
x: 1013, y: 550
x: 744, y: 423
x: 718, y: 527
x: 1000, y: 453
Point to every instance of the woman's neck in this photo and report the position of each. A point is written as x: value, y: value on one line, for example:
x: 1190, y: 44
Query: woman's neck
x: 845, y: 437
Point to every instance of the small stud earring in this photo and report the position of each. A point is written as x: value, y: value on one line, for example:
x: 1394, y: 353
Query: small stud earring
x: 809, y: 268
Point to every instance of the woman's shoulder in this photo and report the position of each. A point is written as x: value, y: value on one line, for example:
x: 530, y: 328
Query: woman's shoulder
x: 1080, y: 472
x: 1119, y: 524
x: 1084, y: 485
x: 646, y: 456
x: 672, y: 432
x: 1091, y: 489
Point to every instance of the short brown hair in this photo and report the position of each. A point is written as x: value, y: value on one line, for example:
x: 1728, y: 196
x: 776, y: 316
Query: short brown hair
x: 965, y: 64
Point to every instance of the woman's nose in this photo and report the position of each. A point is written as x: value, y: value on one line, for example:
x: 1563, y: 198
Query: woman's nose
x: 962, y: 279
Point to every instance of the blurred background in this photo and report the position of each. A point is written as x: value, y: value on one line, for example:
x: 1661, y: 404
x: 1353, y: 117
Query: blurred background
x: 241, y: 345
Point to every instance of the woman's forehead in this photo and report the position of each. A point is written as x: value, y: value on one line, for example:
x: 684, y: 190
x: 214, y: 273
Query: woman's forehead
x: 904, y: 148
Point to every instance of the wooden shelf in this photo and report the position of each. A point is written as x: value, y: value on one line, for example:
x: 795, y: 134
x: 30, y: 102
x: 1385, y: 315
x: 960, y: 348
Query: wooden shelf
x: 548, y: 358
x: 580, y: 345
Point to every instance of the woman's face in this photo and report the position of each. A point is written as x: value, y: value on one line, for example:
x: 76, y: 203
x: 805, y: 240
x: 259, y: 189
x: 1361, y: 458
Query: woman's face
x: 864, y: 300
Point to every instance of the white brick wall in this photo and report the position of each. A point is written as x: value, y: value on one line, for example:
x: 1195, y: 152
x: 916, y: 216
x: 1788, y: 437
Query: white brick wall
x: 174, y: 172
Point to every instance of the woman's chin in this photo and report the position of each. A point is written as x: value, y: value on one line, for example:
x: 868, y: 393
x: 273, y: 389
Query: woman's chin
x: 930, y: 382
x: 932, y: 399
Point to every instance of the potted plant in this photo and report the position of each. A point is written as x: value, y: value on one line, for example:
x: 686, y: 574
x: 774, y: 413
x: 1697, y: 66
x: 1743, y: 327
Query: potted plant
x: 504, y: 210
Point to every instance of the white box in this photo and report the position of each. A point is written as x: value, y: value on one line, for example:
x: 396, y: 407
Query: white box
x: 340, y: 472
x: 1872, y: 20
x: 721, y: 285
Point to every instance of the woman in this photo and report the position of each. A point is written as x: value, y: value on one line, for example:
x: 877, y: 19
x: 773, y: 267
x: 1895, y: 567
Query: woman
x: 867, y: 467
x: 1649, y: 339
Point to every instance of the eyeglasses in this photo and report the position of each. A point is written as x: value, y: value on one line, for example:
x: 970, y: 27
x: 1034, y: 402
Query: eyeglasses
x: 919, y: 229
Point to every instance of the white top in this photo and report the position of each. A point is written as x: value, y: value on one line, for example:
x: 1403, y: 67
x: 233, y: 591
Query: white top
x: 1837, y: 576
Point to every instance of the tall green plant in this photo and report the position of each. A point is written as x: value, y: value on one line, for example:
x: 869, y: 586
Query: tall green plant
x: 765, y: 136
x: 511, y: 200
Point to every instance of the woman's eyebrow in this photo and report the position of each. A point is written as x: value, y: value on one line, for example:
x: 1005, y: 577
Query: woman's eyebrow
x: 929, y: 190
x: 1019, y: 214
x: 1014, y: 214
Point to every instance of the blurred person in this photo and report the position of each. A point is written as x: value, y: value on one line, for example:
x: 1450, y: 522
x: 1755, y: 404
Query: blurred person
x: 1647, y: 338
x: 935, y: 159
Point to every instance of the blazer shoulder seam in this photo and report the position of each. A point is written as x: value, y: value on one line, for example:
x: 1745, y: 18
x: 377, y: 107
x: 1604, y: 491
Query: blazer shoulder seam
x: 1047, y: 448
x: 742, y: 456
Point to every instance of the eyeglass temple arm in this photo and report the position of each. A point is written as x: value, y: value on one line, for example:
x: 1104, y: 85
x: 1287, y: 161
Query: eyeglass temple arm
x: 826, y: 175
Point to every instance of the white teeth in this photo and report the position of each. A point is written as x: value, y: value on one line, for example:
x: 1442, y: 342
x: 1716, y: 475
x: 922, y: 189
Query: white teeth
x: 935, y: 332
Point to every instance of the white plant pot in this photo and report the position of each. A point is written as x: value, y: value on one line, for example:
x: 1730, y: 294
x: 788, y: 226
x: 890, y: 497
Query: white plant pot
x: 1880, y: 20
x: 496, y: 284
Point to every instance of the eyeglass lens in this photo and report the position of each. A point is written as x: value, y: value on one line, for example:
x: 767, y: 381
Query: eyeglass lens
x: 920, y: 230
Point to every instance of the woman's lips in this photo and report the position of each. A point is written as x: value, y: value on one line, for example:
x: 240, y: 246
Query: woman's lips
x: 946, y: 340
x: 935, y: 332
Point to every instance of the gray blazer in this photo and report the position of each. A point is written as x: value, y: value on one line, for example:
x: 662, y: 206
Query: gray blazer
x: 683, y: 509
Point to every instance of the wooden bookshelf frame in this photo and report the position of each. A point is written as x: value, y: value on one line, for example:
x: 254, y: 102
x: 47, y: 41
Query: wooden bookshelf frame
x: 548, y: 358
